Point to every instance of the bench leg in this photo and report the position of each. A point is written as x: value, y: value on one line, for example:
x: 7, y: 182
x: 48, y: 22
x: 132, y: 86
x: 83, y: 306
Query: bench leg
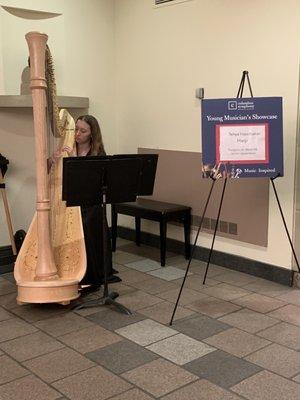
x: 114, y: 227
x: 187, y: 235
x: 163, y: 240
x: 138, y: 231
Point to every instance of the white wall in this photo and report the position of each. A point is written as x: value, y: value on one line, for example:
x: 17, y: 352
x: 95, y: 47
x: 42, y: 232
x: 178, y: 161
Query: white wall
x: 165, y: 53
x: 140, y: 66
x: 82, y: 45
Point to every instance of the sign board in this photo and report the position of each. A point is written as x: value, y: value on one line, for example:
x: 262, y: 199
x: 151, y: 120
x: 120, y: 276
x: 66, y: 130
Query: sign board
x: 242, y: 137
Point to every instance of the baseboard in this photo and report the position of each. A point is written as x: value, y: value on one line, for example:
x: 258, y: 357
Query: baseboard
x: 7, y: 259
x: 262, y: 270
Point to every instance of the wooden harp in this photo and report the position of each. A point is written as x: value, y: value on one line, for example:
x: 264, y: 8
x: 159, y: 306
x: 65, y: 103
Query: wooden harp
x: 52, y: 260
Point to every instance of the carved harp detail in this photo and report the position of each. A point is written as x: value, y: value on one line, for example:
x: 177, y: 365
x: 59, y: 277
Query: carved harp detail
x: 52, y: 260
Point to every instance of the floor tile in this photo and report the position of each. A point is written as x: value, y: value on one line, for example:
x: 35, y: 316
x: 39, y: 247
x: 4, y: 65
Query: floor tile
x: 112, y: 320
x: 291, y: 297
x: 155, y: 285
x: 222, y: 368
x: 30, y: 346
x: 286, y: 334
x: 236, y: 342
x: 10, y: 370
x: 225, y: 292
x: 176, y: 260
x: 236, y: 278
x: 198, y: 267
x: 120, y: 267
x: 122, y: 242
x: 180, y: 349
x: 146, y: 251
x: 131, y: 276
x: 249, y: 320
x: 37, y: 312
x: 122, y: 257
x: 89, y: 339
x: 28, y: 388
x: 122, y: 356
x: 168, y: 273
x: 213, y: 307
x: 137, y: 300
x: 146, y: 332
x: 9, y: 301
x: 267, y: 288
x: 144, y: 265
x: 94, y: 384
x: 200, y: 327
x: 63, y: 324
x: 260, y: 303
x: 122, y: 289
x: 278, y: 359
x: 213, y: 270
x: 162, y: 312
x: 6, y: 287
x: 58, y: 365
x: 201, y: 390
x: 195, y: 282
x: 289, y: 313
x: 4, y: 315
x: 133, y: 394
x: 297, y: 378
x: 267, y: 386
x: 9, y: 276
x: 159, y: 377
x: 187, y: 296
x: 15, y: 327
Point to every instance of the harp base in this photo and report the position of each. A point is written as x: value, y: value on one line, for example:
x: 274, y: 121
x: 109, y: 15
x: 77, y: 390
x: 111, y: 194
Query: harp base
x: 60, y: 291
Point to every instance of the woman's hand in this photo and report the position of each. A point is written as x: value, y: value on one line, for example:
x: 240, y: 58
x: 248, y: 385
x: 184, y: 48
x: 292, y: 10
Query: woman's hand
x: 69, y: 150
x: 58, y: 153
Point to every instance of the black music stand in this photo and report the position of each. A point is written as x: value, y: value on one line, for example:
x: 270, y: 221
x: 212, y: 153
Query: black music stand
x: 3, y: 165
x: 105, y: 180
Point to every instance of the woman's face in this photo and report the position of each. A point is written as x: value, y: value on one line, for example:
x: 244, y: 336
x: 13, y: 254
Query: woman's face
x: 82, y: 132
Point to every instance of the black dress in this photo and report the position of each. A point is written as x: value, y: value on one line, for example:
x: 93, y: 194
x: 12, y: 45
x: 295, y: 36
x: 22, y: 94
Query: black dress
x: 98, y: 246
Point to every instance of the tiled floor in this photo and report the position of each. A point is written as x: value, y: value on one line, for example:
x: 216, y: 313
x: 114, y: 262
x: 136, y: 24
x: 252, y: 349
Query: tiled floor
x: 238, y: 337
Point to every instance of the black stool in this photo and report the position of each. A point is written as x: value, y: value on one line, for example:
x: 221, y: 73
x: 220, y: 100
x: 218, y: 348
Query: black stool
x: 153, y: 211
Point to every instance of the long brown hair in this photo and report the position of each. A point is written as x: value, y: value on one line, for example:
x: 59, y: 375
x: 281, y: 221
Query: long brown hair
x: 97, y: 146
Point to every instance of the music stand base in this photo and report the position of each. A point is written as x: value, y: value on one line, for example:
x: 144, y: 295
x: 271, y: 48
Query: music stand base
x: 109, y: 299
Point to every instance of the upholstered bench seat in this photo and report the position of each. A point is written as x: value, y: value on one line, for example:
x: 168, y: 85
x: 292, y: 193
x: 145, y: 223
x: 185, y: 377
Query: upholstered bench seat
x: 154, y: 211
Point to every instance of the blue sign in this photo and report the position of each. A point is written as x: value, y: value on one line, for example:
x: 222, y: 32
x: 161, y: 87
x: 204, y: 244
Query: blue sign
x: 242, y: 137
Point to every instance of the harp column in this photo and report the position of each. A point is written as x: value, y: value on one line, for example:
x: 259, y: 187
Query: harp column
x: 45, y: 267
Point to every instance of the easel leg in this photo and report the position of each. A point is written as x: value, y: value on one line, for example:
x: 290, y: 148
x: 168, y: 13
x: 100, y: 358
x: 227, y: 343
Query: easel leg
x: 193, y: 249
x: 284, y: 223
x: 215, y: 231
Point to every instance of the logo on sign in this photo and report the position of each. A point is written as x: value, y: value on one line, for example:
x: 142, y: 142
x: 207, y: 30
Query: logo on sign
x: 232, y: 105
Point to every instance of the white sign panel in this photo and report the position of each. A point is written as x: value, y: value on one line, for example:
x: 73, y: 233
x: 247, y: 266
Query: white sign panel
x: 242, y: 143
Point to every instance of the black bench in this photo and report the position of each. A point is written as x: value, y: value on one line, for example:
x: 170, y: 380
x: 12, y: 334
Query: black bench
x: 154, y: 211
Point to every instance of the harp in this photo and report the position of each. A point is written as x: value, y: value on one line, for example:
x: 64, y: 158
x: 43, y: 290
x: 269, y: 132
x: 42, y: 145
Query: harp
x: 52, y: 259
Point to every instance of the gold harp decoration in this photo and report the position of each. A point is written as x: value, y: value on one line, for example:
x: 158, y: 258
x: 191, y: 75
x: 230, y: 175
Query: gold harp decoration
x: 52, y: 260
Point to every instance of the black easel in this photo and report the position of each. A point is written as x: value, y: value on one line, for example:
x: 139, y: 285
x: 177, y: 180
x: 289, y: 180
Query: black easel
x: 245, y: 77
x: 239, y: 95
x: 105, y: 180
